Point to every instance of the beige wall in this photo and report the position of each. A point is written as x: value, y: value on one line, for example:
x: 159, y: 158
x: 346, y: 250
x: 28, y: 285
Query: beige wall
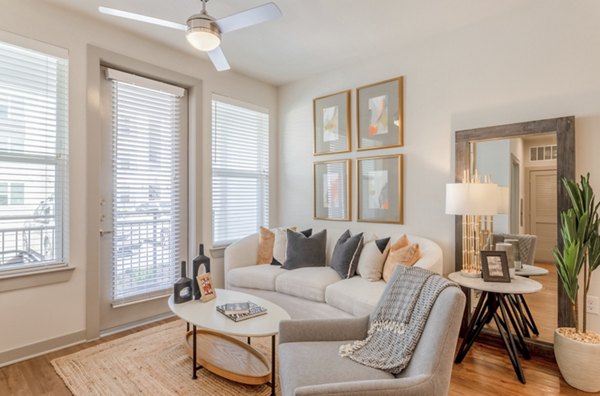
x: 535, y: 62
x: 42, y: 313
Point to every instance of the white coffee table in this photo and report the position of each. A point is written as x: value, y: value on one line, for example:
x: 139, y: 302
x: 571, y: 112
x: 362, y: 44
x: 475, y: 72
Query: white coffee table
x: 214, y: 347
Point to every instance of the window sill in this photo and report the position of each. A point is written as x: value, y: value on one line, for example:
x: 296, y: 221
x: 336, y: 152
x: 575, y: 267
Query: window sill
x: 29, y: 279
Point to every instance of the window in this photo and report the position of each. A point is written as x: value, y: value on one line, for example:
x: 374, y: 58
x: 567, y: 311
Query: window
x: 147, y: 196
x: 33, y: 158
x: 240, y: 169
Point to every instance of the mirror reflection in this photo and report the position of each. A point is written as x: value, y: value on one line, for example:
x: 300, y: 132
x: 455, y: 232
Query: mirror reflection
x: 526, y: 170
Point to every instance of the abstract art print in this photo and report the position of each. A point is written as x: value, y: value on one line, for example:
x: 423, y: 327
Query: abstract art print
x: 332, y: 190
x: 331, y: 119
x: 380, y: 189
x: 380, y: 114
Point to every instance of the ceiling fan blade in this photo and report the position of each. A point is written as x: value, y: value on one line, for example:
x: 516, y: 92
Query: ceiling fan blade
x: 253, y: 16
x: 217, y: 57
x: 141, y: 18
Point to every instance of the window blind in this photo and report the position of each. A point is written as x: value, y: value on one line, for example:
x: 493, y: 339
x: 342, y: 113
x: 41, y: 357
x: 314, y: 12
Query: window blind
x: 33, y: 158
x: 146, y: 202
x: 240, y: 170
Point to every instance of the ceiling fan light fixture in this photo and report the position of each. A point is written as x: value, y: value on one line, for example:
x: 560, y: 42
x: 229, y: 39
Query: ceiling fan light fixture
x: 203, y: 33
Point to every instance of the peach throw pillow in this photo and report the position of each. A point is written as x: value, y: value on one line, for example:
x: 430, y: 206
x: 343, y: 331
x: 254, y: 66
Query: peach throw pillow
x: 407, y: 255
x: 266, y: 241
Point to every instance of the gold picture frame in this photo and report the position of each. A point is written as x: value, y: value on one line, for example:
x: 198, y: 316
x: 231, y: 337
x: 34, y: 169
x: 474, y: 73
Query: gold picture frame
x: 380, y: 115
x: 331, y: 190
x: 380, y: 189
x: 331, y: 124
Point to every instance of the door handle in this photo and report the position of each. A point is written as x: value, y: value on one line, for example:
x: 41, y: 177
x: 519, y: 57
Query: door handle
x: 103, y: 232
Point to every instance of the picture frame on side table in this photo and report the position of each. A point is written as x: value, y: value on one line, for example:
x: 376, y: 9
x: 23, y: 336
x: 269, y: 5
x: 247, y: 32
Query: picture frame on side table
x: 494, y: 266
x: 380, y: 115
x: 331, y: 123
x: 331, y: 189
x: 380, y: 189
x: 207, y: 288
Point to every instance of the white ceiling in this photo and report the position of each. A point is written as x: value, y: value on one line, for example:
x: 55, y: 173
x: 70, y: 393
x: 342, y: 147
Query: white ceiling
x: 313, y: 36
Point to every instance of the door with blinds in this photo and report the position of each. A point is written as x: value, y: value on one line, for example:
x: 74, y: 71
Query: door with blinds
x: 144, y: 190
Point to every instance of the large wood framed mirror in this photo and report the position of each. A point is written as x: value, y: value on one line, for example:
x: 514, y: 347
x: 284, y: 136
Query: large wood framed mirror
x: 530, y: 158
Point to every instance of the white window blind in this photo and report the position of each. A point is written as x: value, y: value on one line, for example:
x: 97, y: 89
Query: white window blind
x: 240, y: 170
x: 33, y: 158
x: 146, y: 202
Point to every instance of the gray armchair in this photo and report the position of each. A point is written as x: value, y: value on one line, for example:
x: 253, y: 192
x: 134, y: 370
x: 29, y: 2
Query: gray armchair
x: 309, y: 363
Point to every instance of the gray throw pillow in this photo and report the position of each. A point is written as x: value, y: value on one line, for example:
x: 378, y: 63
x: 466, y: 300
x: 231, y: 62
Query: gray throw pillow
x: 346, y: 253
x: 306, y: 233
x: 303, y: 251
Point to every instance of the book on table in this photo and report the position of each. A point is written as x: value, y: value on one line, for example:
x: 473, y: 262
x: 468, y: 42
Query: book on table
x: 241, y: 310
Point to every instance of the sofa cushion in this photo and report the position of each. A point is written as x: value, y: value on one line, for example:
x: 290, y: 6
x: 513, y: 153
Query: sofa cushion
x: 266, y: 241
x: 356, y: 295
x: 254, y: 277
x: 303, y: 251
x: 297, y: 366
x: 345, y: 255
x: 406, y: 256
x: 309, y: 283
x: 372, y: 258
x: 280, y: 244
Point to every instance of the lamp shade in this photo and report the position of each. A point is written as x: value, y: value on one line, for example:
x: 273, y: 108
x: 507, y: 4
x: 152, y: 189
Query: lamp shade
x: 477, y: 199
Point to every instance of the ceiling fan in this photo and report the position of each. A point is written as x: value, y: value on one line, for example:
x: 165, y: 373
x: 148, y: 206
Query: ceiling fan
x: 203, y: 31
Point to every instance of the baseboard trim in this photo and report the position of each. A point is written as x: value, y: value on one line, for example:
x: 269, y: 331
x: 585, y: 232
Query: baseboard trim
x: 16, y: 355
x: 132, y: 325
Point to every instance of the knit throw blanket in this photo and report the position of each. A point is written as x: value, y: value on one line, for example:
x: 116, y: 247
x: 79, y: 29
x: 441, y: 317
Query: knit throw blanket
x: 398, y: 320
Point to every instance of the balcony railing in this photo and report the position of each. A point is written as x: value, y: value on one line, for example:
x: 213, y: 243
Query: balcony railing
x: 25, y: 245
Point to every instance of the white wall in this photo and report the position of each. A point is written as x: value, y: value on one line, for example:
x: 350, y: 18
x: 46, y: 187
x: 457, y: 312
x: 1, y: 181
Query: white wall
x: 540, y: 61
x: 34, y: 315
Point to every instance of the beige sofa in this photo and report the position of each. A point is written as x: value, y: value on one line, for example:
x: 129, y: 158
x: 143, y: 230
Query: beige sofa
x: 317, y: 292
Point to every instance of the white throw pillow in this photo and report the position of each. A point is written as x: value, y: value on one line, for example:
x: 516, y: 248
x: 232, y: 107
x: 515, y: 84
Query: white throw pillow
x: 370, y: 263
x: 280, y: 244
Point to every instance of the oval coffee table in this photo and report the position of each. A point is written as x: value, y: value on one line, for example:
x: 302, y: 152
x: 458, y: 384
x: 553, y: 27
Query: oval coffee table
x: 214, y: 347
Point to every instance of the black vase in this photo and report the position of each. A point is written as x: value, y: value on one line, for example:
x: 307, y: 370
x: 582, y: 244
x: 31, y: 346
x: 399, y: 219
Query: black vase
x: 182, y: 289
x: 198, y: 261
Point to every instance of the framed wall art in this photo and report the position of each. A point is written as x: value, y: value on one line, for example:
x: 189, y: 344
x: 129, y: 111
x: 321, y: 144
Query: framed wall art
x: 332, y: 190
x: 380, y: 189
x: 331, y: 121
x: 380, y: 114
x: 494, y: 266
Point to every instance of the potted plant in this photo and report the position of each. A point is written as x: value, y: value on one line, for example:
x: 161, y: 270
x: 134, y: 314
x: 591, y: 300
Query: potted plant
x: 577, y: 349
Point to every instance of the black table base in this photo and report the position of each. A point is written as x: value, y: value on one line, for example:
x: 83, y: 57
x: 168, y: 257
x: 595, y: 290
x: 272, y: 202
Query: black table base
x: 499, y: 308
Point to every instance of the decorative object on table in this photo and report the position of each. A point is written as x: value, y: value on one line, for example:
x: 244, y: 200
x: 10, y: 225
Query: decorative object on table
x: 380, y: 114
x: 199, y: 261
x: 331, y: 122
x: 254, y: 310
x: 516, y: 250
x: 236, y: 308
x: 477, y: 203
x: 332, y: 190
x: 510, y: 258
x: 494, y: 266
x: 182, y: 289
x: 380, y: 189
x: 207, y: 290
x: 577, y: 349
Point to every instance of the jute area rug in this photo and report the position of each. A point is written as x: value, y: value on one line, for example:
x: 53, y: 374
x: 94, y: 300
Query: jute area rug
x: 151, y: 362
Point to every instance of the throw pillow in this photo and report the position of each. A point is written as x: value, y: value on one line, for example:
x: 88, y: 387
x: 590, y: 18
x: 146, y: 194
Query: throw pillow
x: 280, y: 244
x: 266, y: 240
x: 345, y: 254
x: 306, y: 233
x: 303, y: 251
x: 372, y: 258
x: 406, y: 256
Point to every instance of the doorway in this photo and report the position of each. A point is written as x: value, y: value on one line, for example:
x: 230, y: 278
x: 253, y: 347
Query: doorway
x: 542, y: 211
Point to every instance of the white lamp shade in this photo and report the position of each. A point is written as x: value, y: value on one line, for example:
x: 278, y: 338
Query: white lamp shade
x: 503, y: 200
x: 203, y: 40
x: 477, y: 199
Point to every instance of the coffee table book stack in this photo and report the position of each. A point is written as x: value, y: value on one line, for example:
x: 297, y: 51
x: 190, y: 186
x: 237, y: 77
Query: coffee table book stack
x: 241, y: 311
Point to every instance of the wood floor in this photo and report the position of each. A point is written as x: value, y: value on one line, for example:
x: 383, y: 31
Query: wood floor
x: 485, y: 371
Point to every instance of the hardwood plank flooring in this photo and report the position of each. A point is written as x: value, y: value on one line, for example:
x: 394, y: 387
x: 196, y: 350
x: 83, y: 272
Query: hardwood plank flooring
x: 485, y: 371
